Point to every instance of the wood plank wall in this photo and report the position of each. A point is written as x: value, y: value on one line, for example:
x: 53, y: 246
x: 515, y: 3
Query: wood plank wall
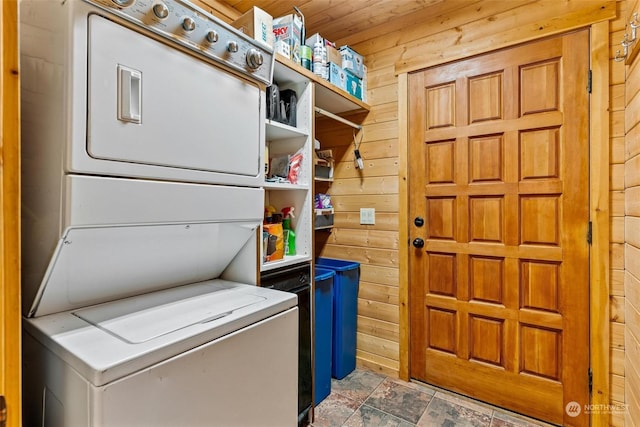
x: 631, y: 226
x: 617, y: 159
x: 384, y: 56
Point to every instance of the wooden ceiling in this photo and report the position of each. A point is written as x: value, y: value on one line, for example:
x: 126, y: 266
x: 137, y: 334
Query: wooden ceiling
x: 341, y: 20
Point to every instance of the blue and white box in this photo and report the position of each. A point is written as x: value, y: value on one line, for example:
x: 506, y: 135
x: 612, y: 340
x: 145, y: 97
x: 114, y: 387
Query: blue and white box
x: 352, y: 61
x: 337, y: 76
x: 354, y: 85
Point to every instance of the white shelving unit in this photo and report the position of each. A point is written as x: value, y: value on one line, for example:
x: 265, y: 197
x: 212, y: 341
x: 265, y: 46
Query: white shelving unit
x: 283, y: 140
x: 313, y: 93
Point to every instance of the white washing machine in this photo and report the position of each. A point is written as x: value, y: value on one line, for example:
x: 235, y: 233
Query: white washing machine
x: 142, y: 204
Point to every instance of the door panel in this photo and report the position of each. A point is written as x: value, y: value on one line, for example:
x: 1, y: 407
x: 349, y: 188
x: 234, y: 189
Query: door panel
x: 499, y: 171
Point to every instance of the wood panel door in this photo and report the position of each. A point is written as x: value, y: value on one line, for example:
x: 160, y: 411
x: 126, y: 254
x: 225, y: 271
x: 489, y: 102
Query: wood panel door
x: 499, y: 289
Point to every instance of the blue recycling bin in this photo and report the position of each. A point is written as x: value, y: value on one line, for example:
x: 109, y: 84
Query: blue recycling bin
x: 323, y: 321
x: 345, y: 312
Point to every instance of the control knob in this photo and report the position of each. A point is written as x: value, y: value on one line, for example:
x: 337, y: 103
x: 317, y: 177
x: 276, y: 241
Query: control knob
x: 232, y: 46
x: 188, y: 24
x: 160, y: 10
x: 123, y: 3
x: 212, y: 36
x: 254, y: 59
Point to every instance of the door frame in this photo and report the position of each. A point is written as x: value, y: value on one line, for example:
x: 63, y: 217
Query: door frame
x: 10, y: 319
x: 598, y: 214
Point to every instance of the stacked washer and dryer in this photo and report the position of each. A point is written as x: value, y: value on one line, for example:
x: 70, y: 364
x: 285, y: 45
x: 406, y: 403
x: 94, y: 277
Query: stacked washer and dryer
x: 143, y: 136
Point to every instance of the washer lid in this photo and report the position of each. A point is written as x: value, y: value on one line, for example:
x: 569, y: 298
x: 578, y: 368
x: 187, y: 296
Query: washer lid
x: 93, y: 265
x: 101, y: 354
x: 139, y: 319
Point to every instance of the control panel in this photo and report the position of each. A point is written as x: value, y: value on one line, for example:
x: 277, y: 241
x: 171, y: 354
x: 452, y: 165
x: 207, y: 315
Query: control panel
x: 195, y: 29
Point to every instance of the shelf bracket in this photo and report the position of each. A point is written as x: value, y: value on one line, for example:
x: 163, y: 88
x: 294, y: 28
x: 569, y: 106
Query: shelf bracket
x: 338, y: 118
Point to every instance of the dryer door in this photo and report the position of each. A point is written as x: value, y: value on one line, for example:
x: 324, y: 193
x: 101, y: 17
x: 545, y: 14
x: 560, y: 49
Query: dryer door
x: 150, y: 104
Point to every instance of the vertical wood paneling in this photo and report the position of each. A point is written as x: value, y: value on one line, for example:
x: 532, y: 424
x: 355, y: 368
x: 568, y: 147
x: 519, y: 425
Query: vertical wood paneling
x: 632, y: 235
x: 10, y: 366
x: 616, y: 177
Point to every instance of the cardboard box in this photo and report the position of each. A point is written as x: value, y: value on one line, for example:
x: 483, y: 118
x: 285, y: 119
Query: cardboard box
x: 364, y: 83
x: 282, y: 47
x: 337, y: 76
x: 288, y: 29
x: 323, y: 164
x: 333, y: 55
x: 352, y: 61
x: 311, y: 41
x: 354, y: 85
x: 258, y: 24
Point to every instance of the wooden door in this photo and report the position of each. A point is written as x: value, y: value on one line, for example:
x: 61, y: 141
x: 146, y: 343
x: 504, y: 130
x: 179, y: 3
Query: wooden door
x: 499, y: 293
x: 9, y: 215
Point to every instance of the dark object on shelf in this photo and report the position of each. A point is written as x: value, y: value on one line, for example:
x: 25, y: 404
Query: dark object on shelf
x: 273, y: 102
x: 324, y: 218
x: 288, y: 107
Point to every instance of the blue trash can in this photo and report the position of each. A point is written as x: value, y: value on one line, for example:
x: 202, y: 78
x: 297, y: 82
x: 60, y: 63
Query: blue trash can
x: 323, y: 321
x: 345, y: 312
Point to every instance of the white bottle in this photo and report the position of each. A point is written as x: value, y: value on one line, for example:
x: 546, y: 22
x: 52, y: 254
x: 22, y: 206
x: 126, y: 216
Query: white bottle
x: 318, y: 68
x: 325, y: 63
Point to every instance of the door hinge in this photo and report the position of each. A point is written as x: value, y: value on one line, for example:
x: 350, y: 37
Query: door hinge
x: 590, y: 233
x: 3, y: 412
x: 590, y: 381
x: 589, y: 82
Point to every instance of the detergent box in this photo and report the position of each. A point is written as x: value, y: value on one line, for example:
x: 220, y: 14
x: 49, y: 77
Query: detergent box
x: 258, y: 24
x: 287, y: 30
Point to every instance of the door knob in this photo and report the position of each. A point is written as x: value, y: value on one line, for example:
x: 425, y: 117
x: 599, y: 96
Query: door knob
x: 418, y: 221
x: 418, y: 242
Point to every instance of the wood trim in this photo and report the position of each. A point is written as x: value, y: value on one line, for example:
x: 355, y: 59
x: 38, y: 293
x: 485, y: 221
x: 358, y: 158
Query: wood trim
x: 10, y: 364
x: 566, y: 16
x: 403, y: 226
x: 599, y: 213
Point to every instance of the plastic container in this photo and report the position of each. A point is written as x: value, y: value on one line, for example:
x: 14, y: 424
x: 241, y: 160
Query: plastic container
x: 323, y: 324
x: 345, y: 311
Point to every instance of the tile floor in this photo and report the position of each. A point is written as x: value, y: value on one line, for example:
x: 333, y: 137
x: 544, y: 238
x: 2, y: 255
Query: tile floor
x: 367, y: 399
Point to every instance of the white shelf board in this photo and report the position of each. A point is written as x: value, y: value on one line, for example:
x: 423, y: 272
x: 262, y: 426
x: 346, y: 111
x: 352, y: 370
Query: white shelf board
x: 288, y: 260
x: 285, y: 186
x: 277, y: 130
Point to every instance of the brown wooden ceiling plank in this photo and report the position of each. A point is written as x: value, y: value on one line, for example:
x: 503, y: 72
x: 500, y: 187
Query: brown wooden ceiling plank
x: 449, y: 15
x: 219, y: 9
x: 361, y: 19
